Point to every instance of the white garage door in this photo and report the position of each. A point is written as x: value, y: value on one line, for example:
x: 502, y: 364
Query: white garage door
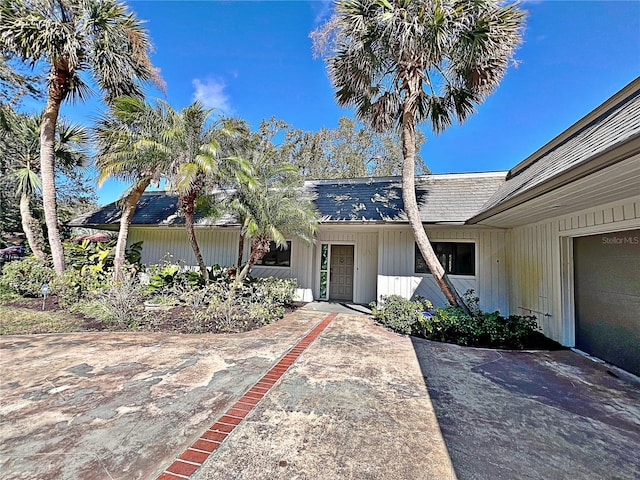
x: 607, y: 297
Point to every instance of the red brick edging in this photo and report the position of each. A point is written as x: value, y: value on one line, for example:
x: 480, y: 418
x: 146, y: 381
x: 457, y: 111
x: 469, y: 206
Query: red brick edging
x: 194, y: 456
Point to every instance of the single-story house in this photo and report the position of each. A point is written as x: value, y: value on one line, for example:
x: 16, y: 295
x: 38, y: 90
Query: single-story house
x: 557, y: 236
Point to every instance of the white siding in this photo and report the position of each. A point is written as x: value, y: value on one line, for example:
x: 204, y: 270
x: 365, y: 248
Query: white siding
x: 301, y: 265
x: 218, y: 246
x: 541, y: 263
x: 396, y: 265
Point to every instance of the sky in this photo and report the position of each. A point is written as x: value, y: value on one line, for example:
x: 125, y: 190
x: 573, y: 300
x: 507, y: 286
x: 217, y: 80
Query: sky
x: 253, y: 59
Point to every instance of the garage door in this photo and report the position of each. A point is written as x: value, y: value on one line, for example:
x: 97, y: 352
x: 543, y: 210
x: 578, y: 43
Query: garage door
x: 607, y: 297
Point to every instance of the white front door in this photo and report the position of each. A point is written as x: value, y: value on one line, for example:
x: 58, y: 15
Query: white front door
x: 341, y: 273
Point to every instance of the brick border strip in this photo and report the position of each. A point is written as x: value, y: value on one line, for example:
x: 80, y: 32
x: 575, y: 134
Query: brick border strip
x: 194, y: 456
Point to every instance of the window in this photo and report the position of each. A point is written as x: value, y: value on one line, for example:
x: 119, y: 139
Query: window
x: 456, y: 258
x: 277, y: 257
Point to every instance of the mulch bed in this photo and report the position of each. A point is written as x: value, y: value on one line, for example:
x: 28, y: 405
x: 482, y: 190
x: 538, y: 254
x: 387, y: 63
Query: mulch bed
x: 178, y: 319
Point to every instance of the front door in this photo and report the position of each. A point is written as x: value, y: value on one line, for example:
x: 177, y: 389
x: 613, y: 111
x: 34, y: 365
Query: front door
x: 341, y: 273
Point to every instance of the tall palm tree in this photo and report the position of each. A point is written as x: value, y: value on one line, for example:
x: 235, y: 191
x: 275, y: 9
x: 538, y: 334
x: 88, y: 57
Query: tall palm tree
x: 272, y: 210
x: 402, y: 62
x: 131, y: 147
x: 99, y: 37
x: 201, y: 160
x: 24, y: 150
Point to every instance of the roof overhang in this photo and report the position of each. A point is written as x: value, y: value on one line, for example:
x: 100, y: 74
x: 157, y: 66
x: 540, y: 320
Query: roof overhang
x: 617, y: 182
x: 611, y: 175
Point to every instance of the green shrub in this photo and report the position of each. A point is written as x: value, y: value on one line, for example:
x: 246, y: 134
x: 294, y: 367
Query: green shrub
x: 75, y: 285
x: 452, y: 325
x: 99, y: 256
x: 26, y: 277
x: 400, y: 314
x: 164, y: 277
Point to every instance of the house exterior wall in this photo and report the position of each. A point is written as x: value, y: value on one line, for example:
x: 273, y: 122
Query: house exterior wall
x: 301, y: 262
x: 541, y: 263
x: 217, y: 245
x: 383, y: 259
x: 396, y: 269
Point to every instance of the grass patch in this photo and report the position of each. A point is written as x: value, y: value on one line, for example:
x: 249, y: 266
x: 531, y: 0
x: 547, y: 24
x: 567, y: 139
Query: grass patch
x: 24, y: 321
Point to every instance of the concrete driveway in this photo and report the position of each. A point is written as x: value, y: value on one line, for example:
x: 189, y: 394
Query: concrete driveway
x: 539, y: 415
x: 348, y: 403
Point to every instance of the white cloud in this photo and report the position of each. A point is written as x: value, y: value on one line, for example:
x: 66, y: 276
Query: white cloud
x: 323, y: 9
x: 211, y: 93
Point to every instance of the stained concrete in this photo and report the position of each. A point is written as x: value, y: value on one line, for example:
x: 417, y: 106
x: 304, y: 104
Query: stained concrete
x: 359, y: 403
x: 532, y: 415
x: 354, y: 406
x: 123, y: 405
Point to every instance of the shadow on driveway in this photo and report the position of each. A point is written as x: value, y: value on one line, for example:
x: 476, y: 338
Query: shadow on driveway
x: 509, y: 414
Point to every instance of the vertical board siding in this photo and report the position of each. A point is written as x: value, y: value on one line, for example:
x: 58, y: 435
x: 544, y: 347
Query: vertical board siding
x: 396, y: 266
x: 218, y: 246
x: 536, y: 262
x: 301, y: 263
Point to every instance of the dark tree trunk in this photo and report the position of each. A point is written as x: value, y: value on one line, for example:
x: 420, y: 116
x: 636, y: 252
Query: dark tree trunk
x: 259, y: 248
x: 240, y: 251
x: 189, y: 206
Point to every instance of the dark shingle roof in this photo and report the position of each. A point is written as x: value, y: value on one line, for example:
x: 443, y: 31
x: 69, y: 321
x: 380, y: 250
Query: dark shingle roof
x: 448, y: 198
x: 614, y: 126
x: 154, y: 208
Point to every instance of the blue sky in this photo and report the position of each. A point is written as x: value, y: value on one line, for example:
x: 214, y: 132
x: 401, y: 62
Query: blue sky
x: 253, y: 59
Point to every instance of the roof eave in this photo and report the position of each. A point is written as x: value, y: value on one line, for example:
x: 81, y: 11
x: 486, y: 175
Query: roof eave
x: 614, y: 154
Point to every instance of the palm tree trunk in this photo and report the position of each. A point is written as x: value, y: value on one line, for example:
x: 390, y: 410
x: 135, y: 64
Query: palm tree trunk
x: 128, y: 209
x: 31, y: 228
x: 240, y: 251
x: 47, y: 171
x: 411, y: 203
x: 191, y: 234
x: 259, y: 248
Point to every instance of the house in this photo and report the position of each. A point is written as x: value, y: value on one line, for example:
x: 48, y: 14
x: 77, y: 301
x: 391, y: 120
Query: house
x: 557, y: 236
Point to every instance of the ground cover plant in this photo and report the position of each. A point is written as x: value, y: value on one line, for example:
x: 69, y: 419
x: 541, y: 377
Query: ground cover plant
x: 453, y: 325
x: 165, y: 298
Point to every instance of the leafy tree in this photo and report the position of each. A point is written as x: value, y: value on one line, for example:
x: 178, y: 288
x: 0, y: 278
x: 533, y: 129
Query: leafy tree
x: 19, y: 175
x: 23, y: 148
x: 271, y: 210
x: 200, y: 157
x: 350, y: 150
x: 403, y: 62
x: 130, y: 147
x: 71, y: 37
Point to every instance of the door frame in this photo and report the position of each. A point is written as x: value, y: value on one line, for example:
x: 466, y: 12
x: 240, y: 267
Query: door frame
x: 319, y: 270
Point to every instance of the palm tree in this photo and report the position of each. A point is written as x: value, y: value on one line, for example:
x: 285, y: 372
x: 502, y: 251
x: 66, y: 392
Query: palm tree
x: 272, y: 210
x: 200, y: 158
x: 99, y: 37
x: 402, y: 62
x: 23, y: 147
x: 129, y: 150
